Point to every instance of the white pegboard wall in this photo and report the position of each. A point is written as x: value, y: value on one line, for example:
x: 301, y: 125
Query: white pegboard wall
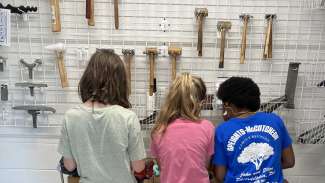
x: 298, y: 36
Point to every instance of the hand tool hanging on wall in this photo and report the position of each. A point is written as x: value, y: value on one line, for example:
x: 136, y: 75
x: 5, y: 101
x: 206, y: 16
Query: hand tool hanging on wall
x: 174, y: 52
x: 31, y: 86
x: 4, y: 92
x: 18, y: 9
x: 116, y: 14
x: 56, y: 20
x: 321, y: 84
x: 200, y: 13
x: 2, y: 63
x: 31, y: 67
x: 288, y: 99
x: 223, y: 27
x: 267, y: 53
x: 245, y: 18
x: 34, y: 110
x: 90, y: 5
x: 59, y: 49
x: 128, y: 55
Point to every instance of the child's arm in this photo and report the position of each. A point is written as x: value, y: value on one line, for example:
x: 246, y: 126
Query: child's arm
x: 220, y: 173
x: 288, y: 158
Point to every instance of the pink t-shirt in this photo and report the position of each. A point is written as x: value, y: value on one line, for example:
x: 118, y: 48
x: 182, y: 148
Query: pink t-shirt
x: 184, y: 150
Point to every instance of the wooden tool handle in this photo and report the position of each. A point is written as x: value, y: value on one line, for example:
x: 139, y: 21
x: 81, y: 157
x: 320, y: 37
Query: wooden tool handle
x: 151, y: 74
x: 88, y: 7
x: 91, y: 19
x: 222, y: 49
x: 173, y: 67
x: 243, y: 42
x: 56, y: 21
x: 200, y: 36
x: 268, y: 40
x: 128, y: 68
x: 116, y: 14
x: 62, y: 71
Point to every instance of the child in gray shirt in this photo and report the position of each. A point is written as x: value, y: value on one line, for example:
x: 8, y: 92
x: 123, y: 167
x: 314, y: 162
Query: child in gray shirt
x: 102, y: 137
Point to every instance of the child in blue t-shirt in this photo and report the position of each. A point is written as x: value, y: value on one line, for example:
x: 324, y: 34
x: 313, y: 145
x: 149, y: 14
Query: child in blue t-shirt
x: 250, y: 147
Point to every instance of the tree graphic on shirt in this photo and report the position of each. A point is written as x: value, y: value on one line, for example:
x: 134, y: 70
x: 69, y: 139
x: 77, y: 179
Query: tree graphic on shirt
x: 256, y: 153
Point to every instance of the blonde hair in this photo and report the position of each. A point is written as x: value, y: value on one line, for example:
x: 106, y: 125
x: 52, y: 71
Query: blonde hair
x: 184, y: 100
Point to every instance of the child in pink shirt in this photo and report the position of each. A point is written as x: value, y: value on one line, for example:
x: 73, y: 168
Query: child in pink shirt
x: 181, y: 141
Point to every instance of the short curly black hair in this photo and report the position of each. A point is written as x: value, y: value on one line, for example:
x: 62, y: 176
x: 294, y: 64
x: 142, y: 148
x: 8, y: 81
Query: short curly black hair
x: 241, y: 92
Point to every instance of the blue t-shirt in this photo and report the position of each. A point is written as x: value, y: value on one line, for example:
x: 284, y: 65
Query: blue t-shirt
x: 250, y: 148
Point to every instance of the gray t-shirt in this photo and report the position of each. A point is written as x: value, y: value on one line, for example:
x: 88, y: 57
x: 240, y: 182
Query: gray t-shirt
x: 102, y: 141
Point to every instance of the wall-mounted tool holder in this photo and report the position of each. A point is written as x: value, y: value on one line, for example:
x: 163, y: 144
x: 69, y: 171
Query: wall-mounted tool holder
x: 34, y: 110
x: 31, y: 66
x: 31, y: 86
x: 2, y: 63
x: 4, y: 92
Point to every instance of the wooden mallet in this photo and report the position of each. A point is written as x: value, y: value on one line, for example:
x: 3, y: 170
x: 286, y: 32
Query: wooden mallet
x: 267, y: 53
x: 90, y: 12
x: 245, y: 18
x: 223, y: 27
x: 152, y: 53
x: 56, y: 20
x: 128, y: 54
x: 200, y: 13
x: 116, y: 12
x: 174, y: 52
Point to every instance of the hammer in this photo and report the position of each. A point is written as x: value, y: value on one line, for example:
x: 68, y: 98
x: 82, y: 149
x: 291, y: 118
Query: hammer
x: 128, y: 54
x: 152, y: 52
x: 116, y: 14
x: 200, y: 13
x: 55, y: 10
x: 244, y: 18
x: 174, y: 52
x: 267, y: 53
x: 59, y: 49
x: 223, y: 26
x: 90, y: 12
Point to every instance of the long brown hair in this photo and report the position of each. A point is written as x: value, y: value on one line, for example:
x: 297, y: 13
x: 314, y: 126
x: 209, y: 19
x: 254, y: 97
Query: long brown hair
x: 105, y: 80
x: 184, y: 100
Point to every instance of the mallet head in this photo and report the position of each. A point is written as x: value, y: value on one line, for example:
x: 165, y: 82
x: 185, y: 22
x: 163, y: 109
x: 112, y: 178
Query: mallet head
x: 201, y: 12
x: 245, y: 16
x: 56, y: 47
x: 224, y: 25
x: 128, y: 51
x: 151, y: 51
x: 268, y: 16
x: 174, y: 51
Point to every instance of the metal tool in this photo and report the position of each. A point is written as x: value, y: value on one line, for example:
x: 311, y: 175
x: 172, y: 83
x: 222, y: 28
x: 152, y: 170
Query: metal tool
x: 128, y: 54
x: 245, y: 18
x: 4, y: 92
x: 291, y: 85
x: 223, y: 27
x: 31, y: 67
x: 31, y: 86
x: 34, y: 110
x: 3, y: 61
x: 116, y: 16
x: 174, y: 52
x: 59, y: 49
x: 90, y: 12
x: 56, y: 20
x: 267, y: 53
x: 200, y: 13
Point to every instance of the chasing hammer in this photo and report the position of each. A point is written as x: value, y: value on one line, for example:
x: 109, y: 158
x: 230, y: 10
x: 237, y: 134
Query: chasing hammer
x: 200, y: 13
x: 245, y: 18
x: 152, y: 53
x: 223, y: 27
x: 128, y: 54
x: 267, y: 53
x: 174, y: 52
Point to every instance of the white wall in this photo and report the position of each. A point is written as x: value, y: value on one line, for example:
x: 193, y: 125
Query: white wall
x: 299, y: 36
